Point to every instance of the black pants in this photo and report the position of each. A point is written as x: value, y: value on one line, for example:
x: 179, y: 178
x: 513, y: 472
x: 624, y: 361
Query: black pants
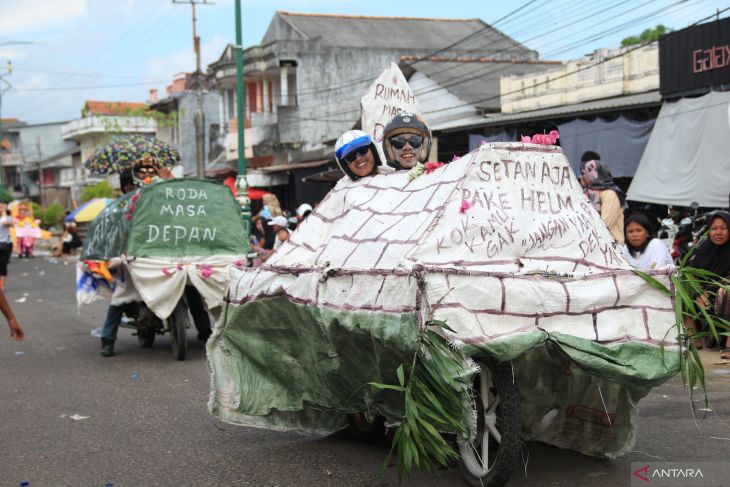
x: 5, y: 251
x: 197, y: 309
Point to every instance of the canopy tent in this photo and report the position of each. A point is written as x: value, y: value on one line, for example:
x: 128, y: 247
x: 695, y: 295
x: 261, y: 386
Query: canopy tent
x: 688, y: 155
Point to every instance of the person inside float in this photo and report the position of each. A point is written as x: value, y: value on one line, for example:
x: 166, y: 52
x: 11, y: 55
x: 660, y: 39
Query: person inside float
x: 406, y: 141
x: 356, y: 154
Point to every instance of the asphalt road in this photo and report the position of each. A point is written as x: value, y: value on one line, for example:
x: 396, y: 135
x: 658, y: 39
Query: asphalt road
x: 145, y: 420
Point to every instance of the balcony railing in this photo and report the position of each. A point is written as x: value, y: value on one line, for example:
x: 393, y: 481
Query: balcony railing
x: 108, y: 124
x: 12, y: 159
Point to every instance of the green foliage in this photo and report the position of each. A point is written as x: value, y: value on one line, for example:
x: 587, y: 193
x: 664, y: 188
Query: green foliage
x: 6, y: 194
x: 52, y: 216
x: 689, y: 284
x: 99, y: 190
x: 648, y: 35
x: 435, y: 399
x: 37, y: 210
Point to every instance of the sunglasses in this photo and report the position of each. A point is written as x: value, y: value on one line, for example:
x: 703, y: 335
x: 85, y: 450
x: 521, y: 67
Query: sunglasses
x: 399, y: 142
x: 150, y: 171
x: 352, y: 156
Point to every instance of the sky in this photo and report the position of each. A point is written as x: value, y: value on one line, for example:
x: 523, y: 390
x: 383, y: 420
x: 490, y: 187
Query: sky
x: 65, y: 52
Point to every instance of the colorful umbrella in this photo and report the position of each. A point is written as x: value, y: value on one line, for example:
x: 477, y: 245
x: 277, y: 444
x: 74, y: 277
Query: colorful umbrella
x: 121, y: 154
x: 89, y: 210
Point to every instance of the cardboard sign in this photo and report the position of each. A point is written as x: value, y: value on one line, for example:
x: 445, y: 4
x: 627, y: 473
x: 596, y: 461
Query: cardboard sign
x: 187, y: 217
x: 388, y: 96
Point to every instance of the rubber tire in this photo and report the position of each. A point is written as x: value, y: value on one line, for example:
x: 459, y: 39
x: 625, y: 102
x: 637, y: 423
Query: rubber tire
x: 365, y: 431
x: 178, y: 322
x: 146, y: 336
x: 508, y: 425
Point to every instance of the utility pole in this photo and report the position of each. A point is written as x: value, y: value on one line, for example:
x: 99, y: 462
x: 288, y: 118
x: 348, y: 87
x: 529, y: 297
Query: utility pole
x: 241, y: 184
x: 199, y: 117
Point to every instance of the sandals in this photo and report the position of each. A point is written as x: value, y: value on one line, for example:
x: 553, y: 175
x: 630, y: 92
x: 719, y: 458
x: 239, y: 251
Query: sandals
x: 725, y: 355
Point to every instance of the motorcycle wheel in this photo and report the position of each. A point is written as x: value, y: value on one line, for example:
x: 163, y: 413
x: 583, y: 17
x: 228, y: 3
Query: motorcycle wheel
x: 146, y: 337
x: 493, y: 455
x: 365, y: 430
x: 177, y: 323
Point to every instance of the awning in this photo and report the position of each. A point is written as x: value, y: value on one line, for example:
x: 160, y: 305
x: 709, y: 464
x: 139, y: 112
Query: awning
x: 639, y: 100
x: 329, y: 176
x: 686, y: 158
x: 295, y: 166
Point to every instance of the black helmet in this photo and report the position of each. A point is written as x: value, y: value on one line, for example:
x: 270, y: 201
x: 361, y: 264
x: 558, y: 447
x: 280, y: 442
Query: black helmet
x: 406, y: 123
x: 349, y: 141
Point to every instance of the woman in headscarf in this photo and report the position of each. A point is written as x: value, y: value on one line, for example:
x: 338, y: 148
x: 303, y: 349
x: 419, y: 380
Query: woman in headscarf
x: 605, y: 195
x: 713, y: 255
x: 642, y: 249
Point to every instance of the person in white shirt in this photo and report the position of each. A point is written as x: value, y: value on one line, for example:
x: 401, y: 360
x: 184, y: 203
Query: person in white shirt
x: 642, y: 249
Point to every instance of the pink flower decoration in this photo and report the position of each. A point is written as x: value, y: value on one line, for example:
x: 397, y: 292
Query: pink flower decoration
x: 432, y: 166
x: 455, y: 158
x: 128, y: 216
x: 167, y: 272
x: 482, y: 142
x: 206, y: 271
x: 542, y: 139
x: 238, y: 263
x: 179, y: 267
x: 135, y: 198
x: 465, y: 205
x: 131, y: 207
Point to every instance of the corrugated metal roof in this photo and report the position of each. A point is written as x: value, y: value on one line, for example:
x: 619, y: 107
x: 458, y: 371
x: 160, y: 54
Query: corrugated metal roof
x: 475, y: 80
x: 650, y: 98
x: 395, y: 32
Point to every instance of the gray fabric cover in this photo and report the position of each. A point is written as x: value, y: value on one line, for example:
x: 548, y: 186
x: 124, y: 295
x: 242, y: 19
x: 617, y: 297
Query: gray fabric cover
x: 503, y: 136
x: 602, y: 136
x: 688, y: 155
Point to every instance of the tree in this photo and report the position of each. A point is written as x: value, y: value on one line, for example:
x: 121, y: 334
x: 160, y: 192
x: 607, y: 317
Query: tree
x: 649, y: 35
x: 100, y: 190
x: 52, y: 216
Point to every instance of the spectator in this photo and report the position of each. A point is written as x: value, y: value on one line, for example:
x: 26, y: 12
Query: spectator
x: 607, y: 198
x: 6, y: 243
x: 713, y: 255
x: 642, y: 249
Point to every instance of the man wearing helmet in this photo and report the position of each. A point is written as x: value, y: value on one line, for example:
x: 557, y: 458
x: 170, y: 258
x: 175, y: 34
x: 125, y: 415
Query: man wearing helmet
x: 356, y: 154
x: 406, y: 141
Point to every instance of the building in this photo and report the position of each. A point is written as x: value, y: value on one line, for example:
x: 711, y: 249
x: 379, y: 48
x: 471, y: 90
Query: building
x: 303, y: 82
x: 184, y: 97
x: 100, y: 122
x: 594, y: 101
x: 11, y: 156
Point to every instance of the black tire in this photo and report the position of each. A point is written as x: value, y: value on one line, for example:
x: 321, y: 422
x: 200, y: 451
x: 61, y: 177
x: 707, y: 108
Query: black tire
x: 502, y: 454
x: 146, y: 337
x: 364, y: 430
x: 178, y: 322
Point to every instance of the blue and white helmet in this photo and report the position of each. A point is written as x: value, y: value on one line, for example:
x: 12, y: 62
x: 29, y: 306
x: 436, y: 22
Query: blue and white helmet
x: 348, y: 142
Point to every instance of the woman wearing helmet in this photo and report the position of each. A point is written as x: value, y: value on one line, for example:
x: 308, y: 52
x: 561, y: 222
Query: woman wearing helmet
x: 406, y: 141
x: 356, y: 154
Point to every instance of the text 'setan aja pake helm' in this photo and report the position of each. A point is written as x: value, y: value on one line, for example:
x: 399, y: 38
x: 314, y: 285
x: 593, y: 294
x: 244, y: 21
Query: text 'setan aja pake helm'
x: 348, y: 142
x: 406, y: 123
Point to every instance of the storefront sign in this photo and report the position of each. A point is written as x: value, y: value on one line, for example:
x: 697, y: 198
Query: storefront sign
x: 694, y: 60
